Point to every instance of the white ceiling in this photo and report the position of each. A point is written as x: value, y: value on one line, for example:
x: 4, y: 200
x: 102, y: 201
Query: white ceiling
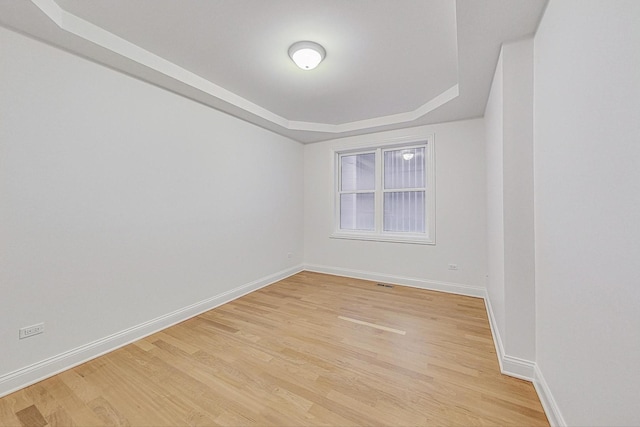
x: 389, y: 64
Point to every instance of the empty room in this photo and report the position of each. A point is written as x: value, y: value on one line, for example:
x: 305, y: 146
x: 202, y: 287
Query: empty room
x: 319, y: 212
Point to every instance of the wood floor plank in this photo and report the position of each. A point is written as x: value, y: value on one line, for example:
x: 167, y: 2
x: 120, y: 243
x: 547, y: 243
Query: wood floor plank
x: 11, y: 404
x: 60, y: 418
x: 31, y: 416
x: 284, y: 355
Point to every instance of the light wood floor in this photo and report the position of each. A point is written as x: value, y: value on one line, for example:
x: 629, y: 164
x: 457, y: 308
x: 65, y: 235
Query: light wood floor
x: 292, y: 354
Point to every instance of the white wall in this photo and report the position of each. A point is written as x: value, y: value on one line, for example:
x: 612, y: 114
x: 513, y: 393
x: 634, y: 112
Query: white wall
x: 121, y: 202
x: 460, y: 213
x: 510, y: 249
x: 587, y: 208
x: 493, y: 117
x: 519, y: 246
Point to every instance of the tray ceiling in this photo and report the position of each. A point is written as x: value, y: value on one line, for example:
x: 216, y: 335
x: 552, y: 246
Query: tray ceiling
x: 389, y: 64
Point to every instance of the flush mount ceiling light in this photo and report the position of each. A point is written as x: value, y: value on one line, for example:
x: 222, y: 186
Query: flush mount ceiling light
x: 407, y: 155
x: 307, y: 55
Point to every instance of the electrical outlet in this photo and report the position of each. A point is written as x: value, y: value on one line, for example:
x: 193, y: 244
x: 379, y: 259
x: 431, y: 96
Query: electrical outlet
x: 453, y: 266
x: 32, y: 330
x: 289, y: 255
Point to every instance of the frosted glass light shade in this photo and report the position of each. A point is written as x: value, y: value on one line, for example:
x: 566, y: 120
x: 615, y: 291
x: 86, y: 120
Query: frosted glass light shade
x: 307, y: 55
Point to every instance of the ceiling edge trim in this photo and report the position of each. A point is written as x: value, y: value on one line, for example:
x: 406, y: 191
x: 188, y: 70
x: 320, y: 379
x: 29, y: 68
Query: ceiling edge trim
x: 105, y: 39
x: 393, y: 119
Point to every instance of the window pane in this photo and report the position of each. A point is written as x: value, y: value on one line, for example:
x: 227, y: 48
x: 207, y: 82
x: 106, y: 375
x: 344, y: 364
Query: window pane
x: 358, y: 172
x: 404, y: 211
x: 357, y: 211
x: 404, y: 168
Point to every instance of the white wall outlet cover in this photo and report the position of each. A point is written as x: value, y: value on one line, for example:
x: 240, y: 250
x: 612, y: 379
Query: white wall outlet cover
x: 29, y: 331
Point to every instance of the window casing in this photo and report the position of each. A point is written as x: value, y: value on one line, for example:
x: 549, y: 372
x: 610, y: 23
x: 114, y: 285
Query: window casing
x: 386, y: 192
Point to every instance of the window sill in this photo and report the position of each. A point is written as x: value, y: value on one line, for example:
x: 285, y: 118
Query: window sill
x: 394, y: 238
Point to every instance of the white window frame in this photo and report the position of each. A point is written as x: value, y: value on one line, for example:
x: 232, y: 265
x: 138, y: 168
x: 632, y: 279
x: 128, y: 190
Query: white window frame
x: 378, y: 234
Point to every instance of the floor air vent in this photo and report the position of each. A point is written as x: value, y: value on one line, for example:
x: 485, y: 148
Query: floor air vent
x: 384, y: 285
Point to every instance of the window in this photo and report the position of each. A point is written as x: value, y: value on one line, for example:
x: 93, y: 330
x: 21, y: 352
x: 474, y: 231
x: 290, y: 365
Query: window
x: 386, y: 193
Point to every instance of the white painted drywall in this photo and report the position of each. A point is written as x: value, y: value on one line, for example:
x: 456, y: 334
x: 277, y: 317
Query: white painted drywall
x: 460, y: 211
x: 493, y: 117
x: 519, y: 270
x: 121, y: 202
x: 587, y: 208
x: 510, y: 235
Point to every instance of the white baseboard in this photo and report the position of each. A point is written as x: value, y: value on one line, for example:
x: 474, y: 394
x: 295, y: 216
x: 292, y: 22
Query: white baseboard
x: 509, y: 365
x: 28, y: 375
x: 548, y: 402
x: 432, y: 285
x: 518, y: 368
